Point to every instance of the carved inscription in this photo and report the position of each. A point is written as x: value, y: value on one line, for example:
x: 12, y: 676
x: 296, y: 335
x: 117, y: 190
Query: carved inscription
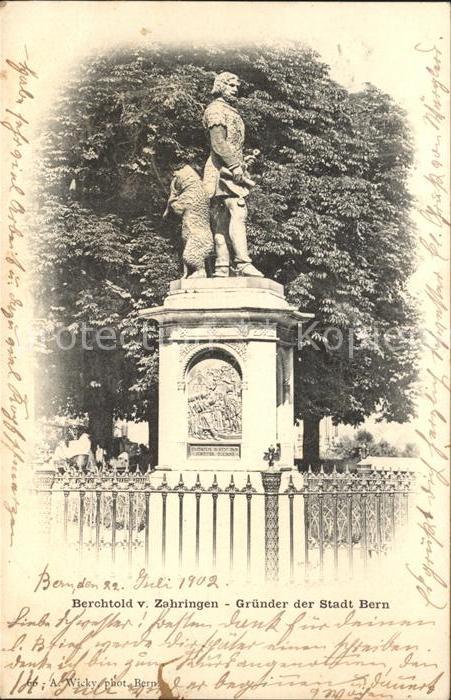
x: 214, y: 450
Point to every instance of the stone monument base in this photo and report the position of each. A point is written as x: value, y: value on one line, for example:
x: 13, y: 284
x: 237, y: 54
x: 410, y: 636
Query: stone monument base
x: 226, y: 374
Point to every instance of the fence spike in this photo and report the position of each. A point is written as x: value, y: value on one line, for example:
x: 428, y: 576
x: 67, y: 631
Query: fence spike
x: 214, y: 488
x: 309, y: 470
x: 248, y: 489
x: 291, y: 489
x: 231, y: 488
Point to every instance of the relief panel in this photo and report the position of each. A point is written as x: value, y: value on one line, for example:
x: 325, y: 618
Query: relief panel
x: 214, y: 389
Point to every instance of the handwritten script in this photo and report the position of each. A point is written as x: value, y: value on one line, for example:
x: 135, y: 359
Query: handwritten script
x: 430, y: 575
x: 57, y: 650
x: 14, y: 410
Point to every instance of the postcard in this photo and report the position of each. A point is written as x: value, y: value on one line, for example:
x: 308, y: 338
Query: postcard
x: 225, y: 350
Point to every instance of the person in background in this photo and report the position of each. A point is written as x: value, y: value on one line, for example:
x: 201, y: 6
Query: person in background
x: 79, y: 452
x: 144, y: 458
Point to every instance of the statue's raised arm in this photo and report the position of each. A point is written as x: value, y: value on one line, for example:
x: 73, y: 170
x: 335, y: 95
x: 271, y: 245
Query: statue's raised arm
x: 226, y: 179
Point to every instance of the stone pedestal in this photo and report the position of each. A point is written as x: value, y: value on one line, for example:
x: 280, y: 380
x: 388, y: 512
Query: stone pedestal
x: 226, y: 373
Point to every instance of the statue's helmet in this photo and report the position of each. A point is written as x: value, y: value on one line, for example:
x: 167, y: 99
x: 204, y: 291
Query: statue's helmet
x: 221, y: 80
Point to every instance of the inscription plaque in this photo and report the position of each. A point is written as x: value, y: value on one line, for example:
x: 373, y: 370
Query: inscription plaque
x: 214, y: 450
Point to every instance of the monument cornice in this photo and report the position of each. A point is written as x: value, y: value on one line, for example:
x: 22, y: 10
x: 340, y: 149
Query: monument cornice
x: 283, y: 316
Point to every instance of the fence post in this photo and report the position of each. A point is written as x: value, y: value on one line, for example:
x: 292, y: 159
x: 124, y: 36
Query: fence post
x: 43, y: 481
x: 271, y: 485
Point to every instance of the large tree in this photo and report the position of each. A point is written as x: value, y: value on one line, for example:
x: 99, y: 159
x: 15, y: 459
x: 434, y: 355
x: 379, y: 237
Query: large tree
x: 329, y: 220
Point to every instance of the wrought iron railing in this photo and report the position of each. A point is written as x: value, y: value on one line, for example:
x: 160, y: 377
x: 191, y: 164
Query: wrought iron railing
x: 349, y: 511
x: 305, y: 523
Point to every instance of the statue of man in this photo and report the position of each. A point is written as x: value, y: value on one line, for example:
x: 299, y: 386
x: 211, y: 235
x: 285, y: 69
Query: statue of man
x: 226, y: 179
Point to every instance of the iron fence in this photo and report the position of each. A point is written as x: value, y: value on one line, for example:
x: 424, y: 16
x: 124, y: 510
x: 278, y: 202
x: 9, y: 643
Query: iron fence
x: 302, y: 524
x: 349, y: 513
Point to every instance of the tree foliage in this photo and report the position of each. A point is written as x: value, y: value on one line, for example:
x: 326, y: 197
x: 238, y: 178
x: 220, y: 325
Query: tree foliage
x: 329, y: 220
x: 364, y: 444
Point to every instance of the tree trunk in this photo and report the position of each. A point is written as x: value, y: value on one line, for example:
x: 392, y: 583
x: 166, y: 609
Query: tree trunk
x: 310, y: 442
x: 101, y: 425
